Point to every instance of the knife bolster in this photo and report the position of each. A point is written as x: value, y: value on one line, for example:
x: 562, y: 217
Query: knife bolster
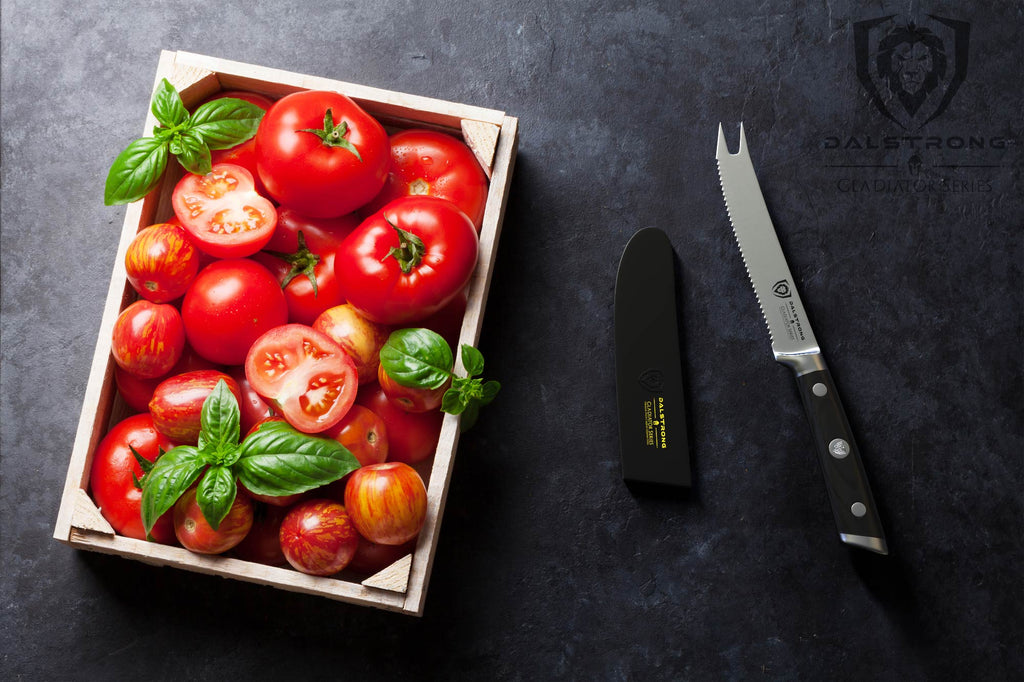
x: 802, y: 363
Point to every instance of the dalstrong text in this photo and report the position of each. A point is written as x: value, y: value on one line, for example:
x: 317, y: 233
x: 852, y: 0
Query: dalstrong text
x: 914, y: 142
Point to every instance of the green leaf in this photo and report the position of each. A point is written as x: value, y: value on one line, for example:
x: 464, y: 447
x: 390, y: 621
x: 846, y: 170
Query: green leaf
x: 219, y: 420
x: 472, y: 360
x: 452, y: 401
x: 192, y: 152
x: 136, y: 171
x: 278, y: 460
x: 417, y: 358
x: 225, y: 122
x: 216, y: 494
x: 169, y: 478
x: 489, y: 391
x: 167, y: 106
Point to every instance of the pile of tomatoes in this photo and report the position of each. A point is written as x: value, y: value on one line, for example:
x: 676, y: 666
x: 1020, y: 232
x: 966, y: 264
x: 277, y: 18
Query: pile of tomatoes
x: 282, y: 273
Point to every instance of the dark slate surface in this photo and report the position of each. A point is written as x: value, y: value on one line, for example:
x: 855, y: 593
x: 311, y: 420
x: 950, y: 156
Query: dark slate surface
x: 548, y: 567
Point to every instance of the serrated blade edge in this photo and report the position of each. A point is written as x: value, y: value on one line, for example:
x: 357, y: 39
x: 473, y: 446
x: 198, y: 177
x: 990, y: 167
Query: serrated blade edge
x: 769, y: 274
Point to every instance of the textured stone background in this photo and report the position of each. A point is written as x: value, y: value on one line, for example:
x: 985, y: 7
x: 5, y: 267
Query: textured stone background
x: 548, y: 567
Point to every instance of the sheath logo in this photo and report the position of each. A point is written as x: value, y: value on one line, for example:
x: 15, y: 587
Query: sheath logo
x: 782, y: 289
x: 652, y: 380
x: 911, y: 71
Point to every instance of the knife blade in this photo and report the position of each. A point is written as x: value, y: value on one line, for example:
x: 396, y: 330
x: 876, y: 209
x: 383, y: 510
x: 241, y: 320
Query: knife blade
x: 653, y: 441
x: 794, y: 345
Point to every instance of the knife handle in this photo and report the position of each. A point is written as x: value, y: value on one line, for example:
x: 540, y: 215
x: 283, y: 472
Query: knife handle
x: 853, y: 506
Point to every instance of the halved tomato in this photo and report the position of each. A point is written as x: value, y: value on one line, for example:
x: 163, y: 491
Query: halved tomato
x: 223, y: 213
x: 308, y: 378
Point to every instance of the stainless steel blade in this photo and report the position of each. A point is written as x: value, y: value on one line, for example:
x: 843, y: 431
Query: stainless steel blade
x: 793, y: 341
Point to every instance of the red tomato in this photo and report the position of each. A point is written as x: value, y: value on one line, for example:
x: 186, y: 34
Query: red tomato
x: 161, y: 262
x: 390, y: 278
x: 110, y: 478
x: 243, y: 154
x: 223, y: 212
x: 197, y: 535
x: 363, y: 433
x: 318, y: 538
x: 425, y: 162
x: 177, y: 403
x: 321, y: 168
x: 137, y: 392
x: 361, y: 338
x: 299, y: 262
x: 230, y: 304
x: 308, y: 378
x: 148, y: 339
x: 262, y: 544
x: 412, y: 437
x: 372, y: 557
x: 408, y: 398
x: 448, y: 320
x: 252, y: 406
x: 387, y: 502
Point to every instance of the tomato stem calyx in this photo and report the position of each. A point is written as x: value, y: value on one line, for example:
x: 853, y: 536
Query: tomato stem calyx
x: 333, y: 135
x: 409, y: 251
x: 303, y: 262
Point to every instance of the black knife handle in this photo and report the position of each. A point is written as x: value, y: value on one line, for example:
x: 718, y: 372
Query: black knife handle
x: 853, y: 506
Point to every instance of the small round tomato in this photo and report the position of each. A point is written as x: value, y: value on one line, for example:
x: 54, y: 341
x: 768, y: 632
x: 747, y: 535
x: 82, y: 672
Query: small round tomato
x: 412, y: 436
x: 306, y: 376
x: 230, y: 304
x: 161, y: 262
x: 321, y: 154
x: 262, y: 544
x: 110, y: 477
x: 409, y: 398
x: 364, y: 435
x: 223, y: 213
x: 252, y: 406
x: 426, y: 162
x: 244, y: 153
x: 196, y: 534
x: 177, y: 403
x: 301, y: 256
x: 408, y: 260
x: 361, y: 338
x: 148, y: 339
x: 372, y: 557
x: 318, y: 538
x: 137, y: 392
x: 387, y: 502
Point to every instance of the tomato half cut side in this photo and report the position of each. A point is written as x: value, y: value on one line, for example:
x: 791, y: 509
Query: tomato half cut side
x: 307, y: 377
x: 223, y: 213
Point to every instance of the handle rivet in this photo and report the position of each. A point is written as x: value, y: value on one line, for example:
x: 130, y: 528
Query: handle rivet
x: 819, y: 389
x: 839, y: 448
x: 858, y: 509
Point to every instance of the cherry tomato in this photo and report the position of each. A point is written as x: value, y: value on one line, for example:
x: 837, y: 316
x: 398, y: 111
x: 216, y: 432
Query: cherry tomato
x: 243, y: 154
x: 229, y: 305
x: 306, y: 376
x: 318, y: 538
x: 223, y: 213
x: 408, y: 260
x: 408, y: 398
x: 426, y: 162
x: 363, y: 433
x: 387, y: 502
x: 161, y: 262
x: 262, y: 544
x: 412, y: 437
x: 137, y: 392
x: 252, y: 406
x: 110, y: 478
x: 301, y: 256
x: 197, y: 535
x: 321, y: 154
x: 177, y: 403
x: 361, y: 338
x: 148, y: 339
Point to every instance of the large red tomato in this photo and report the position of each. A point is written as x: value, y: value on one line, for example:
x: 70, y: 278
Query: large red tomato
x: 148, y: 339
x: 223, y: 213
x: 306, y: 376
x: 161, y: 262
x: 408, y: 260
x: 230, y: 304
x: 243, y: 154
x: 318, y: 538
x: 387, y: 502
x: 301, y: 256
x: 426, y: 162
x: 110, y: 478
x: 321, y: 154
x: 412, y: 436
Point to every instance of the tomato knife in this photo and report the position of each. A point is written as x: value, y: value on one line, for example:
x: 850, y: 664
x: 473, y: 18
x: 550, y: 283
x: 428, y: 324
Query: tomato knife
x: 794, y: 345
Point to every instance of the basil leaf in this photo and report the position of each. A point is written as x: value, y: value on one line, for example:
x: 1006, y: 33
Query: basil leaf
x: 489, y: 391
x: 225, y: 122
x: 417, y: 358
x: 167, y: 106
x: 472, y: 360
x: 469, y: 416
x: 167, y: 480
x: 278, y: 460
x: 136, y: 171
x: 216, y: 494
x: 452, y: 401
x: 219, y: 420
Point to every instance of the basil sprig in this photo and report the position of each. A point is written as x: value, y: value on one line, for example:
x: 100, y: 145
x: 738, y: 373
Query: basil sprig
x: 218, y: 124
x: 275, y: 460
x: 421, y: 358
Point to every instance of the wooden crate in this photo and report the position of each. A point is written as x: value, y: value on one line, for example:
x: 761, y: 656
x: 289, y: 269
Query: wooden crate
x: 401, y: 587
